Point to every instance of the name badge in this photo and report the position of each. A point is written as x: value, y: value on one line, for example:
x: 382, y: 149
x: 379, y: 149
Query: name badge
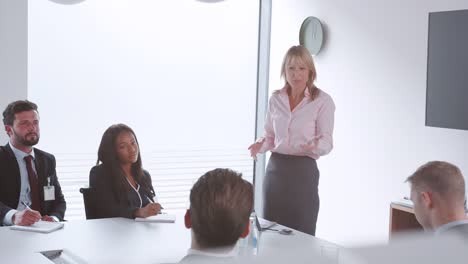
x: 49, y: 191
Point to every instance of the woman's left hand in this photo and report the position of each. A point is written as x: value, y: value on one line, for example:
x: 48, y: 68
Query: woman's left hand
x: 308, y: 147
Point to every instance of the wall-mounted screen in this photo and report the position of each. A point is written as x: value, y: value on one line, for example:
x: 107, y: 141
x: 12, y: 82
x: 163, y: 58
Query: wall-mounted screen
x: 447, y: 70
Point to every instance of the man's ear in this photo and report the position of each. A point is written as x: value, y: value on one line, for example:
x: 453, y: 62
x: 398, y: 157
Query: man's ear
x: 427, y: 199
x: 246, y: 230
x: 187, y: 220
x: 8, y: 130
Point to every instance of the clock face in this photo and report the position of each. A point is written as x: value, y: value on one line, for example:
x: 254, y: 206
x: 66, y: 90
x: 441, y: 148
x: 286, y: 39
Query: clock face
x: 311, y: 35
x: 67, y: 2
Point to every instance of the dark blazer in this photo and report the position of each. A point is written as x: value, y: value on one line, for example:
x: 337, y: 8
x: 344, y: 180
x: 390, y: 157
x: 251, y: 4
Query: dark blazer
x: 106, y: 202
x: 10, y: 183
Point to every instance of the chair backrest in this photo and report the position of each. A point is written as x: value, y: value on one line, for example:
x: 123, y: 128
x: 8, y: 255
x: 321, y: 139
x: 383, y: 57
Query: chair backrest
x: 89, y: 202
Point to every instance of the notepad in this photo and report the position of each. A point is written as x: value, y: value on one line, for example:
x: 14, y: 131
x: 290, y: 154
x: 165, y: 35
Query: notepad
x: 404, y: 202
x: 159, y: 218
x: 40, y: 227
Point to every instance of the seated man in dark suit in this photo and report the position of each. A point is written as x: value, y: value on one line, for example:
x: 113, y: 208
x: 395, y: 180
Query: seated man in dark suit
x: 29, y: 188
x: 438, y: 194
x: 220, y: 206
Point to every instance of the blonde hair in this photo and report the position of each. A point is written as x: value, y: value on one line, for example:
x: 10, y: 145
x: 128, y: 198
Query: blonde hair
x: 300, y: 52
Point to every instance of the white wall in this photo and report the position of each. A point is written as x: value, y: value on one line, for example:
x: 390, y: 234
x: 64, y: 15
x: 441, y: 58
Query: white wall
x: 186, y: 88
x: 13, y: 54
x: 374, y: 66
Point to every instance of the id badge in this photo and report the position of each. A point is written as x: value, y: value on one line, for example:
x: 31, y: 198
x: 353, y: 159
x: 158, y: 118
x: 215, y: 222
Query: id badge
x: 49, y: 193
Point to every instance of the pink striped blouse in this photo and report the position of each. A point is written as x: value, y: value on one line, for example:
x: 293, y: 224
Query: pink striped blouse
x: 310, y: 123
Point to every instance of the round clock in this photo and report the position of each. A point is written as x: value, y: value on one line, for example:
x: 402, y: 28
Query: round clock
x: 311, y: 35
x: 67, y: 2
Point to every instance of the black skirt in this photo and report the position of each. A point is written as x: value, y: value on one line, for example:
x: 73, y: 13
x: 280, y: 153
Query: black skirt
x: 290, y: 190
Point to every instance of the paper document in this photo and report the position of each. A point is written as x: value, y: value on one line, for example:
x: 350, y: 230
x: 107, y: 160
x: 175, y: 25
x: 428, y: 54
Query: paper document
x: 404, y: 202
x: 265, y: 223
x: 62, y: 256
x: 40, y: 226
x: 159, y: 218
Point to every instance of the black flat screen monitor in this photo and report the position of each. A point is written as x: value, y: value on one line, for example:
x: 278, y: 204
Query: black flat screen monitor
x: 447, y: 70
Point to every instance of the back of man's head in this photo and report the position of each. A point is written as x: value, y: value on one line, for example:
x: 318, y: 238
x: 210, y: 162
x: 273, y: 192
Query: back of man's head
x: 442, y: 178
x: 220, y: 205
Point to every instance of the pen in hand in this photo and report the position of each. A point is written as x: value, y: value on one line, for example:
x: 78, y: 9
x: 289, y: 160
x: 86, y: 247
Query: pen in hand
x: 29, y: 208
x: 160, y: 210
x: 26, y: 217
x: 26, y: 205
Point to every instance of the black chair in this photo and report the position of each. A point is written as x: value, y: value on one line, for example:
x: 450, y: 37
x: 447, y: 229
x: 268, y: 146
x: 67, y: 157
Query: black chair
x: 89, y: 198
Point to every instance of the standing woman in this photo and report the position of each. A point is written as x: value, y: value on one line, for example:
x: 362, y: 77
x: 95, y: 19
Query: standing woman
x: 121, y: 186
x: 298, y: 130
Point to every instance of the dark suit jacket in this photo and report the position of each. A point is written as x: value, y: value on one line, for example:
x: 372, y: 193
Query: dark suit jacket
x: 10, y: 183
x: 106, y: 203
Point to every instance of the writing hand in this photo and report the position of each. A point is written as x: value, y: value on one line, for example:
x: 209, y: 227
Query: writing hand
x: 26, y: 217
x: 149, y: 210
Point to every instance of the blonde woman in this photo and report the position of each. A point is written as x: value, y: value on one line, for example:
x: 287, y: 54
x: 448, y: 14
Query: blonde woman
x: 298, y: 130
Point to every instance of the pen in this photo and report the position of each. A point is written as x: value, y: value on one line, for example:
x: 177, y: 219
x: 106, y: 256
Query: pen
x: 25, y: 204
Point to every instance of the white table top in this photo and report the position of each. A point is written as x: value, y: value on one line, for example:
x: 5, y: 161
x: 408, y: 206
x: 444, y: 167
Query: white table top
x: 120, y: 240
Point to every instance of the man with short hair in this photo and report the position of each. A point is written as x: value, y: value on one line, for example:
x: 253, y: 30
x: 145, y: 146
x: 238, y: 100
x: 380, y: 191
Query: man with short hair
x: 29, y: 188
x: 220, y: 206
x: 438, y: 195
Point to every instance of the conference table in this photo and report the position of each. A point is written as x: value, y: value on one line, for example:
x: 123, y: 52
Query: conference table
x: 120, y: 240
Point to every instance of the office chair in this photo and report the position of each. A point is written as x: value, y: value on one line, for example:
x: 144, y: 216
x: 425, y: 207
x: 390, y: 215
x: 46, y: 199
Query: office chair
x: 89, y: 202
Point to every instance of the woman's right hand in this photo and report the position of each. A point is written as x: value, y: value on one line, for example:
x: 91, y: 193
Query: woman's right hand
x: 149, y: 210
x: 254, y: 149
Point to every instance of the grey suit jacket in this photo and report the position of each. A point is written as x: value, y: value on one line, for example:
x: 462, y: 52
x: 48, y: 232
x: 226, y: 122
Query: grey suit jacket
x: 459, y: 230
